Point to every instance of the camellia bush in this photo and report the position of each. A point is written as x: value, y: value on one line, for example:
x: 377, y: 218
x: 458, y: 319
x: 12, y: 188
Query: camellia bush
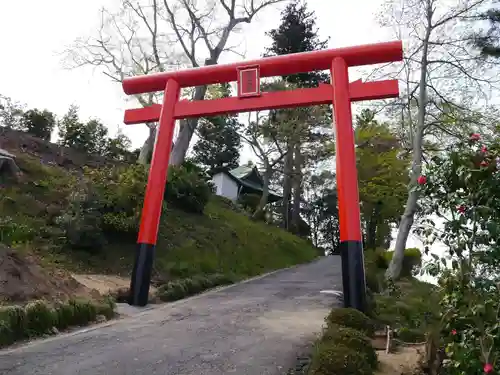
x: 461, y: 188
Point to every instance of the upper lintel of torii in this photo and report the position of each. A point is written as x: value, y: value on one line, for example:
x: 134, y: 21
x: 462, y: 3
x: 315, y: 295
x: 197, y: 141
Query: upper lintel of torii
x: 248, y: 75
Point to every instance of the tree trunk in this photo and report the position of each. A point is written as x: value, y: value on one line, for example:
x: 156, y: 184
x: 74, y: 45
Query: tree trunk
x: 371, y: 230
x: 147, y: 148
x: 261, y: 207
x: 287, y: 187
x: 394, y: 269
x: 186, y: 131
x: 297, y: 188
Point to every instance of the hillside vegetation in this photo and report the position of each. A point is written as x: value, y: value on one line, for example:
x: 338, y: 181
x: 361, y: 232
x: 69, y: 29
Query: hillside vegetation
x: 84, y: 220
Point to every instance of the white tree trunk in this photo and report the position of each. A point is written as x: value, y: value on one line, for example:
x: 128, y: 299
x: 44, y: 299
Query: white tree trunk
x: 186, y: 132
x: 147, y: 147
x: 395, y: 266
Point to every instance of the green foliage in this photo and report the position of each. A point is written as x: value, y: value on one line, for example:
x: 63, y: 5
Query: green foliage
x: 39, y: 123
x: 351, y: 318
x: 463, y: 189
x: 77, y: 213
x: 409, y: 304
x: 323, y: 213
x: 13, y: 232
x: 92, y: 137
x: 219, y: 141
x: 382, y: 177
x: 329, y: 359
x: 188, y: 188
x: 297, y: 33
x: 487, y: 41
x: 11, y: 113
x: 412, y: 261
x: 249, y: 202
x: 38, y: 318
x: 107, y: 201
x: 410, y: 335
x: 175, y: 290
x: 336, y: 334
x: 87, y: 137
x: 117, y: 148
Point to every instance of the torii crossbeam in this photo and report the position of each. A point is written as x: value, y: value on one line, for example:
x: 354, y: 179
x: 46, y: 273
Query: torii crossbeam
x: 340, y: 93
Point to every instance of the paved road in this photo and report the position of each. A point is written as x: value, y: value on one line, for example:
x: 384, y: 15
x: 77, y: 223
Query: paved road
x: 253, y: 328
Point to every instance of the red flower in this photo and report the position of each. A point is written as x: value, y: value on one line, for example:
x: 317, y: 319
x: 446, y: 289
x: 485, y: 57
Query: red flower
x: 475, y: 137
x: 484, y: 163
x: 453, y: 332
x: 488, y: 367
x: 421, y: 180
x: 484, y: 149
x: 460, y: 209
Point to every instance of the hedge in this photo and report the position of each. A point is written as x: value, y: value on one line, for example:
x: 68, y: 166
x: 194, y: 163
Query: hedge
x: 38, y: 318
x: 351, y: 318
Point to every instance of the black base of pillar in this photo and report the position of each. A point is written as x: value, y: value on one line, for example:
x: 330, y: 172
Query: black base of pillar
x: 141, y: 275
x: 353, y: 275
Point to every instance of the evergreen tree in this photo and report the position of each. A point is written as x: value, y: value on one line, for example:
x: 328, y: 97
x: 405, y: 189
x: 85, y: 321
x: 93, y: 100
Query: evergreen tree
x: 39, y: 123
x: 298, y: 130
x: 219, y: 142
x: 90, y: 137
x: 488, y: 41
x: 383, y: 178
x: 297, y: 33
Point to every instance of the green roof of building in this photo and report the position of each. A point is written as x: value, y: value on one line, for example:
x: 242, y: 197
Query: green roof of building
x: 244, y: 171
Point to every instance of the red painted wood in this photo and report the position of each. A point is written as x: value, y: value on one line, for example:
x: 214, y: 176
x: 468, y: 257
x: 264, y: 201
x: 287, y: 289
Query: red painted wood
x: 269, y: 67
x: 345, y: 155
x: 323, y: 94
x: 249, y: 81
x: 157, y: 178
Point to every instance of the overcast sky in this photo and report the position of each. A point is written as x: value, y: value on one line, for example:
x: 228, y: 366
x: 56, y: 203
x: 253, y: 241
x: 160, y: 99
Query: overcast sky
x: 33, y: 34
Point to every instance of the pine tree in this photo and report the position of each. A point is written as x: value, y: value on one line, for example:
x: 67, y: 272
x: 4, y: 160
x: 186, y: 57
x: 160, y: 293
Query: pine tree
x: 299, y: 137
x: 90, y: 137
x: 219, y: 142
x: 488, y: 41
x: 297, y: 33
x: 39, y: 123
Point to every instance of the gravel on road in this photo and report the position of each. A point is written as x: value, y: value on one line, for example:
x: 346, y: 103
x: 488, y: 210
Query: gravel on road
x: 251, y: 328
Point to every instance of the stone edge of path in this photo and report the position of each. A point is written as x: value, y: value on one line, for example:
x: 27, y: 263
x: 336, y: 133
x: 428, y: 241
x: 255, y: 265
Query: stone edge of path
x: 142, y: 311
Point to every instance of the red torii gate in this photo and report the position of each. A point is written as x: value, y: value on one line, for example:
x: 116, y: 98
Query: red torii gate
x: 340, y: 93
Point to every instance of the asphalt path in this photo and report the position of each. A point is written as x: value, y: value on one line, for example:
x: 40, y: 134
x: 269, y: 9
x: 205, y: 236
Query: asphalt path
x: 252, y: 328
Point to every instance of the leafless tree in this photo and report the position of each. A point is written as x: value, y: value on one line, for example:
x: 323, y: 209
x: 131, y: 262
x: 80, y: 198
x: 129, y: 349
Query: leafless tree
x: 267, y: 150
x: 148, y: 36
x: 442, y: 75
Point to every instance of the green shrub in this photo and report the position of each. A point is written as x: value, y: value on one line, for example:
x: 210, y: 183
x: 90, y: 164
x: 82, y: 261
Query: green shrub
x: 352, y: 338
x: 249, y: 201
x: 84, y: 312
x: 6, y: 334
x: 12, y: 232
x: 172, y: 291
x: 40, y: 318
x: 175, y: 290
x: 331, y: 359
x: 188, y: 188
x: 221, y: 279
x: 14, y: 317
x: 376, y: 258
x: 412, y: 261
x: 410, y: 335
x: 352, y: 318
x: 197, y: 284
x: 65, y: 315
x: 106, y: 202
